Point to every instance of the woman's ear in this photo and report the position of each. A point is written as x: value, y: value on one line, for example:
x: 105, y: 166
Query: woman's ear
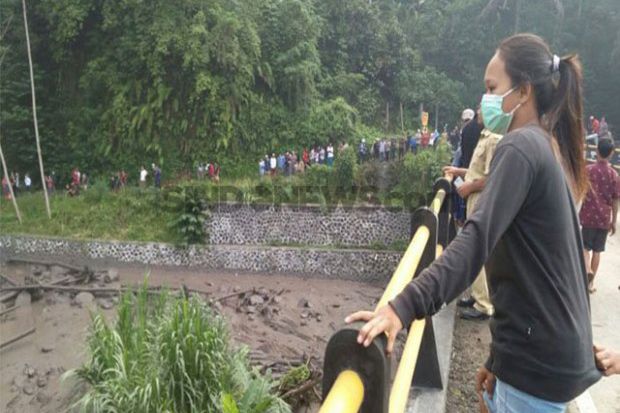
x: 525, y: 92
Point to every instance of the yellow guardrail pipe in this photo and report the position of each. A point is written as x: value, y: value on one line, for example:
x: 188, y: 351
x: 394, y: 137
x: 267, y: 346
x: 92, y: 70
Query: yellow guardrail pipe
x: 346, y: 395
x: 399, y: 395
x: 406, y: 267
x: 347, y: 392
x: 438, y: 201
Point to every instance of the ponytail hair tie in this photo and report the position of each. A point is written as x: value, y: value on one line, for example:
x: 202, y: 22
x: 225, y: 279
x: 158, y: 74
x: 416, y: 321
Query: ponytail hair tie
x: 555, y: 64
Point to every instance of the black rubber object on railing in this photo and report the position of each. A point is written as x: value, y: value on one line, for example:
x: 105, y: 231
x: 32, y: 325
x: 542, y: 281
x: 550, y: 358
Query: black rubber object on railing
x: 371, y: 363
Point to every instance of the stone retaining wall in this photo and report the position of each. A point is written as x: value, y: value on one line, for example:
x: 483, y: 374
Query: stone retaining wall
x: 240, y: 224
x: 360, y: 265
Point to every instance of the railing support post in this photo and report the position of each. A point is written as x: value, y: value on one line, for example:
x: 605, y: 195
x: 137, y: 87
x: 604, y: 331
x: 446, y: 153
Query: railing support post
x: 423, y: 216
x: 446, y: 230
x: 427, y: 372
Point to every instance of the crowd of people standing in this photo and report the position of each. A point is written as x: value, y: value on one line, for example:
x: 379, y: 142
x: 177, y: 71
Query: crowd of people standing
x: 209, y: 170
x: 14, y: 182
x: 79, y: 181
x: 387, y: 149
x: 382, y: 149
x: 600, y: 128
x: 292, y: 162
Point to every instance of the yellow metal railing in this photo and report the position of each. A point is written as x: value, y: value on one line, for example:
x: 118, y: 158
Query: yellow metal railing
x: 406, y: 368
x: 440, y: 196
x: 347, y: 392
x: 346, y: 395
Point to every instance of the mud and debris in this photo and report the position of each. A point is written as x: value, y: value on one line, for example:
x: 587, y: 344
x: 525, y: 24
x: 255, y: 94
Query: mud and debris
x: 285, y: 321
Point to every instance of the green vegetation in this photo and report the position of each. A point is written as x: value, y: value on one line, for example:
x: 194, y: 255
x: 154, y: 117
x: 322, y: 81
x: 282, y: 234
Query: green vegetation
x: 166, y: 354
x: 133, y: 215
x: 413, y: 179
x: 125, y: 83
x: 189, y: 206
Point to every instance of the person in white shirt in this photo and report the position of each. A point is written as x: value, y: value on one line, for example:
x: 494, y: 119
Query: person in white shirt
x: 17, y: 185
x: 322, y: 155
x: 143, y: 175
x: 382, y: 150
x: 330, y: 154
x: 27, y: 182
x: 273, y: 163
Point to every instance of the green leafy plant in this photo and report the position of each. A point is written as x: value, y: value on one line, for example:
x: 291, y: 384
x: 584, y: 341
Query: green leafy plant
x: 294, y: 377
x: 96, y: 192
x: 345, y: 171
x: 367, y: 175
x: 188, y: 206
x: 168, y: 354
x: 417, y: 174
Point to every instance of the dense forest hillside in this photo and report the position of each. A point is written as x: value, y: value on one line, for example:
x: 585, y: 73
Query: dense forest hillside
x: 126, y: 82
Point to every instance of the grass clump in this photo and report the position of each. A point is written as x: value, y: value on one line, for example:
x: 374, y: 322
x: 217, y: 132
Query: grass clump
x: 168, y: 354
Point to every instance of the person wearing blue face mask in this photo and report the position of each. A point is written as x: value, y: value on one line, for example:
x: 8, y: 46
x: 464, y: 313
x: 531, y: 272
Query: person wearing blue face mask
x: 526, y: 233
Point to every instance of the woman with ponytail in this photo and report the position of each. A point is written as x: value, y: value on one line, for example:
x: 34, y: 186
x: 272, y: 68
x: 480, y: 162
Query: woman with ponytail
x: 527, y: 234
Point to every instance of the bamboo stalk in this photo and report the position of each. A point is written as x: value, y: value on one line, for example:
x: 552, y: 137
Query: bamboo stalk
x: 402, y: 123
x: 6, y: 174
x: 34, y: 115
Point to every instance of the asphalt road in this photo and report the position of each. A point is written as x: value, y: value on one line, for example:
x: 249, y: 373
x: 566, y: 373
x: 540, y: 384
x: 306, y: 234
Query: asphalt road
x: 606, y: 323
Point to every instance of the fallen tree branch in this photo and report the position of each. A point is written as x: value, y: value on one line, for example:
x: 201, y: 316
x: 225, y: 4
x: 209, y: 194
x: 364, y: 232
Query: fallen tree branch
x: 225, y: 297
x: 17, y: 337
x: 48, y: 263
x: 309, y: 384
x: 8, y: 279
x: 14, y: 290
x: 8, y: 296
x: 94, y: 290
x: 10, y: 309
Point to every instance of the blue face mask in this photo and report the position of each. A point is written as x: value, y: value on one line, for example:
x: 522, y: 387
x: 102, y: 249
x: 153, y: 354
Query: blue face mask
x: 493, y: 115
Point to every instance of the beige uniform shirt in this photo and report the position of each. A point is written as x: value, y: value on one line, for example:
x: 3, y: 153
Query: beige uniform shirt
x: 480, y: 164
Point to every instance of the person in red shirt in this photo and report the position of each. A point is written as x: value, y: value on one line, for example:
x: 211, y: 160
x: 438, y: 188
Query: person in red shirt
x: 49, y: 184
x: 600, y: 209
x: 216, y: 172
x: 426, y: 137
x: 6, y: 188
x: 306, y: 157
x: 75, y: 177
x: 123, y: 177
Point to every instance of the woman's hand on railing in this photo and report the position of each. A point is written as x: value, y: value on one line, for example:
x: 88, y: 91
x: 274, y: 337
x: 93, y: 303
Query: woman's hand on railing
x: 384, y: 320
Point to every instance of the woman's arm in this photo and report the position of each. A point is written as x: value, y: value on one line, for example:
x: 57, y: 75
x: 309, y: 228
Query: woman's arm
x: 506, y: 189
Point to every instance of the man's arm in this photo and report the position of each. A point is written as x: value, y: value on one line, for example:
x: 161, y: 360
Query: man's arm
x: 471, y: 187
x: 454, y: 171
x: 614, y: 205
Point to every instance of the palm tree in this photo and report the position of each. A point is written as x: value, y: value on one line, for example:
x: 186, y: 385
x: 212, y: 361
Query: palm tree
x: 34, y: 115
